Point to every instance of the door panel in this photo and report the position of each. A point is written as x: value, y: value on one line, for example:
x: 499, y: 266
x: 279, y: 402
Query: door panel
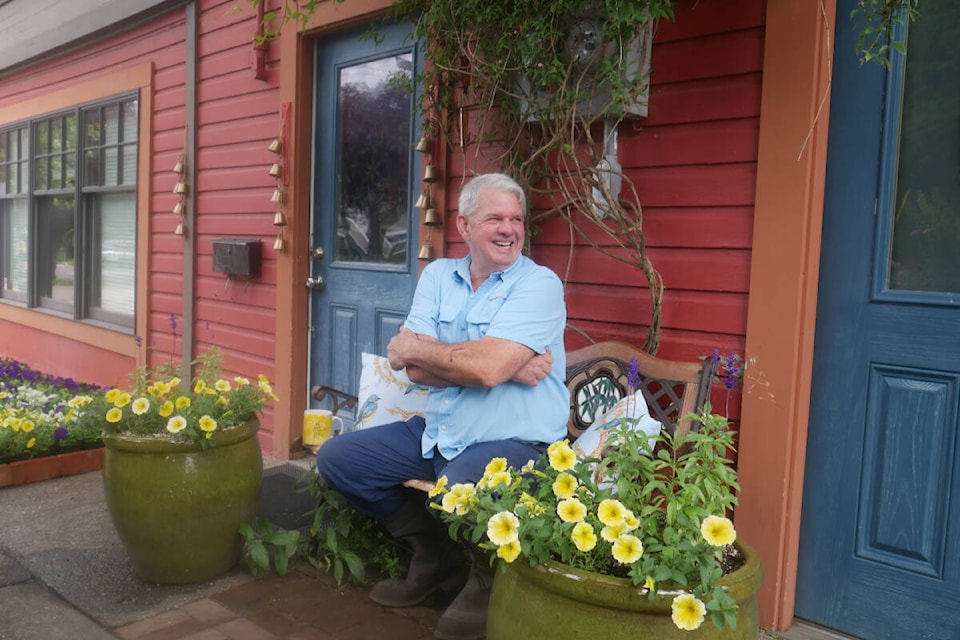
x: 880, y: 532
x: 366, y: 171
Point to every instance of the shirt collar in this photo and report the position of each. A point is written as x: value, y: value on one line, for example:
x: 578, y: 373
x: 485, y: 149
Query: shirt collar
x: 463, y: 269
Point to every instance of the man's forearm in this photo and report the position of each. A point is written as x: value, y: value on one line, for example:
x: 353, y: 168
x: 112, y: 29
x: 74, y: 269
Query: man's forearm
x: 477, y: 363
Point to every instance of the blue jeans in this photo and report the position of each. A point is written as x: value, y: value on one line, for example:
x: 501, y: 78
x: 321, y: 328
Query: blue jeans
x: 369, y: 466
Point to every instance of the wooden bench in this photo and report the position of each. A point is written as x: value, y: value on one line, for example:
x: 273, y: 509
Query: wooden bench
x: 597, y: 377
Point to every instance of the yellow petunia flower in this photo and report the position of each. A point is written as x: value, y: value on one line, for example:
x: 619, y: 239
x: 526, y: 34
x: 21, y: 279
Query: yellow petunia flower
x: 123, y: 399
x: 241, y: 381
x: 162, y: 388
x: 562, y: 457
x: 509, y: 551
x: 627, y: 549
x: 182, y: 402
x: 438, y: 488
x: 208, y: 424
x: 503, y: 527
x: 222, y: 386
x: 500, y: 477
x: 166, y: 409
x: 611, y: 512
x: 611, y: 532
x: 496, y: 465
x: 583, y: 536
x: 718, y: 531
x: 176, y: 424
x: 27, y: 426
x: 687, y: 612
x: 199, y: 386
x: 114, y: 415
x: 458, y: 499
x: 140, y: 406
x: 564, y: 486
x: 111, y: 396
x: 571, y: 510
x: 649, y: 584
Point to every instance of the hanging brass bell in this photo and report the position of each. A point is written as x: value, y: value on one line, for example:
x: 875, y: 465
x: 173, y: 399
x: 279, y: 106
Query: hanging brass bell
x: 276, y: 170
x: 423, y: 145
x: 277, y: 195
x: 178, y: 168
x: 275, y: 145
x: 426, y: 252
x: 432, y: 218
x: 180, y: 230
x: 431, y: 173
x: 279, y: 220
x: 278, y: 244
x: 180, y: 188
x: 423, y: 201
x: 178, y: 209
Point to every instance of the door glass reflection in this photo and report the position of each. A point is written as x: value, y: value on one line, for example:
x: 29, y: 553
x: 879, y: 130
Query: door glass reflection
x: 926, y: 216
x: 373, y: 160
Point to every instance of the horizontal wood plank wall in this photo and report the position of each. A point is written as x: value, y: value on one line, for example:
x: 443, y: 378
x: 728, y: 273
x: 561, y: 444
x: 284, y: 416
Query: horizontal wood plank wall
x: 238, y: 116
x: 694, y: 163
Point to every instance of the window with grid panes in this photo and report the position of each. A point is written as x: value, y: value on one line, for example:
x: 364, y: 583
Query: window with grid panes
x: 68, y: 212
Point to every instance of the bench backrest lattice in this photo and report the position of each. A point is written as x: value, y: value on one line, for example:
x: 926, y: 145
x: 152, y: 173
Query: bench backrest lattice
x: 597, y: 378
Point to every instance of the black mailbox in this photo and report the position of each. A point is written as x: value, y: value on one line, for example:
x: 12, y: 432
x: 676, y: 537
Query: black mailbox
x: 236, y: 256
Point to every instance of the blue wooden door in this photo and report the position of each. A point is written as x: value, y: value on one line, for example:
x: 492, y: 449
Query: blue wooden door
x: 366, y: 179
x: 880, y: 530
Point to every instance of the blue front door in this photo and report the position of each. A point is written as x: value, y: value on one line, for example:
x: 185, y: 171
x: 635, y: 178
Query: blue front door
x: 880, y: 530
x: 366, y: 179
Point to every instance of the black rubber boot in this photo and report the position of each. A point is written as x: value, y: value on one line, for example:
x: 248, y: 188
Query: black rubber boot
x: 466, y: 617
x: 438, y: 563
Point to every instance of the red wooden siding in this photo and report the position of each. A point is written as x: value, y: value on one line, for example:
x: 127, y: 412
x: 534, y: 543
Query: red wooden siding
x: 693, y: 162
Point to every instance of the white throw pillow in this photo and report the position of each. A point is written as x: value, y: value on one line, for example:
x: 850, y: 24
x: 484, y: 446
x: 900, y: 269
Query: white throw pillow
x: 633, y: 409
x: 386, y: 395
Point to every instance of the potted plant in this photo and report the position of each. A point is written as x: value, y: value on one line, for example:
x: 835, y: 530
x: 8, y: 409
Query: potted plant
x: 182, y: 467
x: 635, y: 539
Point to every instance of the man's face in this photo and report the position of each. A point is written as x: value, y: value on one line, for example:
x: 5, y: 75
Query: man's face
x: 494, y: 233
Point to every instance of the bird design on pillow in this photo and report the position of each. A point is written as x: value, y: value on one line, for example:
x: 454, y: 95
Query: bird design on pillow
x: 368, y: 409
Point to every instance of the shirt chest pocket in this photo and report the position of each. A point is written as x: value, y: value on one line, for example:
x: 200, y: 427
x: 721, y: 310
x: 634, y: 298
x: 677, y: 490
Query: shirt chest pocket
x: 457, y: 325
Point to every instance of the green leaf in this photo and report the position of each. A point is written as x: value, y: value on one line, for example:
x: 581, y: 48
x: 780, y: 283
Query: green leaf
x: 259, y: 555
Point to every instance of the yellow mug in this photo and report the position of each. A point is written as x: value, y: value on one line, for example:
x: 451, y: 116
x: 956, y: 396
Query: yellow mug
x: 318, y: 427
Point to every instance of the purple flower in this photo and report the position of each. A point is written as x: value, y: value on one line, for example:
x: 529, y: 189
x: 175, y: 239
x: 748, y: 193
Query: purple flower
x: 138, y: 340
x: 60, y: 434
x: 633, y: 373
x: 173, y: 322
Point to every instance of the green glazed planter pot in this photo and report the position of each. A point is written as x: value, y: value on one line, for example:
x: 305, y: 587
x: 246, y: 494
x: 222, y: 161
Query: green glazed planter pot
x: 177, y: 507
x: 557, y: 602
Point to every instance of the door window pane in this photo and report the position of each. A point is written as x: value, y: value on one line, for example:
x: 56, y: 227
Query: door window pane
x: 926, y: 216
x: 373, y: 160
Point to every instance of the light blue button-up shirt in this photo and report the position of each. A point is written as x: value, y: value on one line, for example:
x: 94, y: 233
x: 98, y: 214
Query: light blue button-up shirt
x: 524, y: 304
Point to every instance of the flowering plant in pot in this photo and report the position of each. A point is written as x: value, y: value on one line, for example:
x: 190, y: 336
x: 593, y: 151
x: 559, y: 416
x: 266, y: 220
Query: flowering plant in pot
x: 651, y: 510
x: 161, y: 406
x: 182, y: 468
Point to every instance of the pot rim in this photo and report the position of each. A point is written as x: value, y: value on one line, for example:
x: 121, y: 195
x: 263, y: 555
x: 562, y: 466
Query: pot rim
x: 600, y: 589
x: 162, y: 443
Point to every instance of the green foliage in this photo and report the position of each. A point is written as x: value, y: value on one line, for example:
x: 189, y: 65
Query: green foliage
x: 652, y: 510
x: 876, y: 22
x: 269, y: 548
x: 340, y: 540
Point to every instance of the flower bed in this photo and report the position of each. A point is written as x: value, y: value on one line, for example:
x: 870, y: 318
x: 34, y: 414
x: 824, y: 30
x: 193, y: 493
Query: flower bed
x: 40, y: 434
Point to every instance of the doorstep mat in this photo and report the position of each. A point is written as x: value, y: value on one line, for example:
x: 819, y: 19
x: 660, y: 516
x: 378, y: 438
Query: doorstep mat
x: 280, y: 502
